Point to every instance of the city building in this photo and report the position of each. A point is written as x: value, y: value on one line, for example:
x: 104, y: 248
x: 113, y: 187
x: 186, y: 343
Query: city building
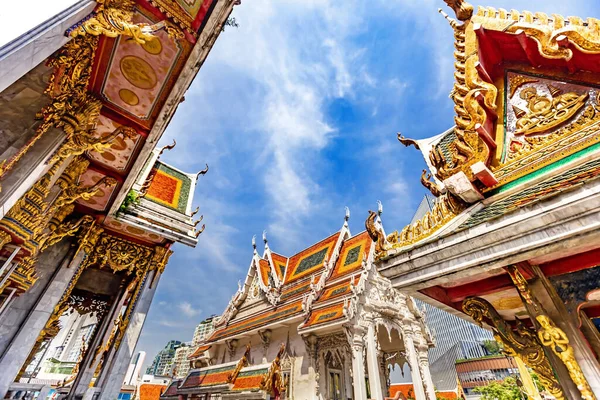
x: 181, y: 364
x: 132, y: 376
x: 203, y: 329
x: 475, y: 372
x: 88, y: 211
x: 163, y: 362
x: 512, y: 241
x: 302, y: 326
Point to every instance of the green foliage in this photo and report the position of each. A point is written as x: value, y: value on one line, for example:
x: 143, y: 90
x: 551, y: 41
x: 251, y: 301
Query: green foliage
x: 132, y: 198
x: 506, y: 390
x: 491, y: 346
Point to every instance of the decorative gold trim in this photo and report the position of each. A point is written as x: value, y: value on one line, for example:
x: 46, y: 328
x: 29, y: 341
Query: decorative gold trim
x: 523, y: 343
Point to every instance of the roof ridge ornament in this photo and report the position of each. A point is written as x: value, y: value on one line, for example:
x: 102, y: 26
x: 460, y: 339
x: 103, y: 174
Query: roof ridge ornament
x: 201, y: 172
x: 408, y: 141
x: 462, y: 9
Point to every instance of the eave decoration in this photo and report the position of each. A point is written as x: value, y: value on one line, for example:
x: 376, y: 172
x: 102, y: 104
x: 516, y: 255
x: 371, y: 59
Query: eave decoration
x: 517, y: 111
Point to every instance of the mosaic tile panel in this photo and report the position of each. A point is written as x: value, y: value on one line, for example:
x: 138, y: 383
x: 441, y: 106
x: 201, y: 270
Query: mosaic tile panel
x: 169, y: 188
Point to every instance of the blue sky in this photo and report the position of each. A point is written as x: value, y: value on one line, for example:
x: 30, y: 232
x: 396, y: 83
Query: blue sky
x: 296, y: 112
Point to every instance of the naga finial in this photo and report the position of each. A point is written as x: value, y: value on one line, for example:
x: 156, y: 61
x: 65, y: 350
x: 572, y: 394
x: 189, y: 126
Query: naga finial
x: 265, y: 237
x: 407, y: 141
x: 195, y: 211
x: 167, y: 147
x: 379, y: 208
x: 254, y: 242
x: 347, y: 216
x: 201, y: 172
x: 425, y: 176
x: 461, y: 8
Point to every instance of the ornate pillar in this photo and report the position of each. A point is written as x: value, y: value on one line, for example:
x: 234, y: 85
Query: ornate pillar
x: 425, y: 373
x: 358, y: 365
x: 373, y: 364
x: 413, y: 361
x: 25, y: 339
x: 555, y: 339
x: 113, y: 374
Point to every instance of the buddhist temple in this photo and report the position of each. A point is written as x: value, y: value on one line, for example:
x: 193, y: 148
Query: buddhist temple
x: 318, y: 324
x: 88, y: 210
x: 512, y: 241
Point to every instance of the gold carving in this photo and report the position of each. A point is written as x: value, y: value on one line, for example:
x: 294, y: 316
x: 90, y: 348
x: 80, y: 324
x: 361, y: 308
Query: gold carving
x: 274, y: 378
x: 544, y: 112
x: 129, y: 97
x: 112, y: 18
x: 5, y: 239
x: 444, y: 210
x: 516, y: 81
x: 555, y: 338
x: 461, y: 8
x: 430, y: 185
x: 523, y: 343
x: 138, y: 72
x: 552, y: 336
x: 375, y: 231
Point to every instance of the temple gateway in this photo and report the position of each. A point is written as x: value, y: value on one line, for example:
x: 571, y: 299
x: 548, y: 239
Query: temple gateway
x: 319, y: 324
x: 513, y: 240
x: 88, y: 211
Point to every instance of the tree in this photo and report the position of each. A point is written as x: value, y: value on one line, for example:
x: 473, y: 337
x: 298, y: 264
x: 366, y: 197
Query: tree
x: 491, y: 346
x: 506, y: 390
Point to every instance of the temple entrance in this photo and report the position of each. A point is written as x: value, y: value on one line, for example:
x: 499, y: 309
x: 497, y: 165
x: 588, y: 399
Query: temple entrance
x: 77, y: 337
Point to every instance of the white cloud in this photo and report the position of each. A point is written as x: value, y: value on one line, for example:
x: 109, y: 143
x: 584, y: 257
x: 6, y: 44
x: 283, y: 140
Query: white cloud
x: 187, y: 309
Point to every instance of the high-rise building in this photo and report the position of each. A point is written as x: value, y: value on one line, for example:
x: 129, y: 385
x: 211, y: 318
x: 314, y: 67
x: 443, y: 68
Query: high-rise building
x: 163, y: 362
x: 181, y: 364
x: 203, y: 329
x: 133, y: 372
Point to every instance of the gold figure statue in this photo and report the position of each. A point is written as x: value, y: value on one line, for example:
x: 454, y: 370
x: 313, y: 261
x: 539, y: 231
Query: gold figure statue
x: 555, y: 338
x: 546, y: 112
x: 523, y: 343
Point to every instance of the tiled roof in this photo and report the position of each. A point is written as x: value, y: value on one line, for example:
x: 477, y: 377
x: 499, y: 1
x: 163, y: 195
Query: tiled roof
x: 150, y: 391
x: 310, y: 260
x: 250, y: 379
x: 280, y: 264
x: 198, y: 352
x: 266, y: 317
x: 210, y: 376
x: 172, y: 389
x: 543, y: 190
x: 264, y: 270
x: 337, y: 290
x: 351, y: 255
x: 290, y: 291
x: 323, y: 315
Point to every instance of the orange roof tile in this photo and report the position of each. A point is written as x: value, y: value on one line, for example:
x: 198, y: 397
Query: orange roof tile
x: 280, y: 264
x: 250, y: 380
x: 340, y: 289
x: 172, y: 389
x: 264, y: 270
x: 310, y: 260
x: 208, y: 377
x: 259, y: 320
x: 351, y: 255
x: 149, y: 391
x: 324, y: 315
x: 198, y: 352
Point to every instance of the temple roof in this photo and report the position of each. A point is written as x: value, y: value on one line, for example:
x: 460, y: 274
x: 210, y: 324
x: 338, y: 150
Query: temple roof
x: 232, y: 377
x: 322, y: 272
x: 526, y: 103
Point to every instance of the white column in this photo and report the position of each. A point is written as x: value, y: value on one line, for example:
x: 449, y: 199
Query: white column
x: 373, y: 364
x: 20, y: 347
x: 358, y: 367
x: 425, y: 373
x: 413, y: 361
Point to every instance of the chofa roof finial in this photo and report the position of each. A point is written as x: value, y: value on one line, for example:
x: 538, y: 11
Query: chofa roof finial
x: 265, y: 237
x: 461, y: 8
x: 347, y: 216
x: 201, y: 172
x: 379, y: 207
x: 167, y: 147
x: 254, y: 242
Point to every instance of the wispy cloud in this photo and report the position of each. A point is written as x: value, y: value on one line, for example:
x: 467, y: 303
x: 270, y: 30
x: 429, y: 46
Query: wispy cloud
x: 187, y: 309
